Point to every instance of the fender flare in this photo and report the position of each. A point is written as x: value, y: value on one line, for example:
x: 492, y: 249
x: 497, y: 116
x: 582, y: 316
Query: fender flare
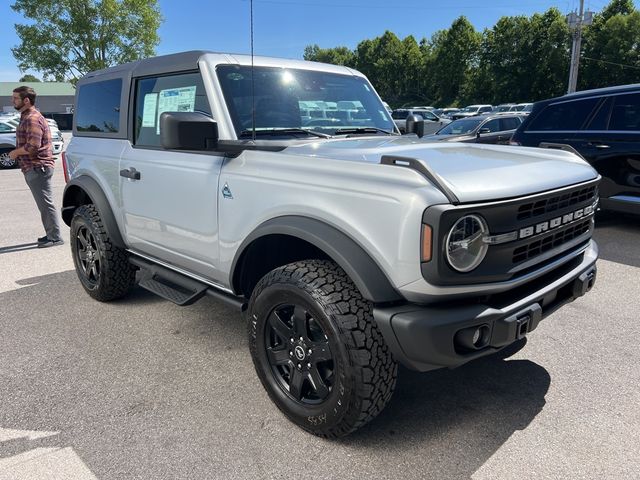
x: 365, y: 273
x: 97, y: 197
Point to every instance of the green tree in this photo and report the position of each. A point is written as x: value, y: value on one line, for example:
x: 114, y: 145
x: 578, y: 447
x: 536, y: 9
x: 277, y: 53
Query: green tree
x: 455, y: 54
x: 522, y: 59
x: 610, y: 55
x: 69, y: 38
x: 335, y: 56
x: 29, y: 78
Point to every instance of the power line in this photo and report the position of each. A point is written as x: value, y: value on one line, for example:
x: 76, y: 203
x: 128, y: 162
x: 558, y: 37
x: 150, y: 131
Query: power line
x: 612, y: 63
x: 387, y: 7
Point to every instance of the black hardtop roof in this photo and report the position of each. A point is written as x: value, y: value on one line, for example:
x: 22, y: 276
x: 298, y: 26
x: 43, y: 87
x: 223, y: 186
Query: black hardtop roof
x: 153, y: 65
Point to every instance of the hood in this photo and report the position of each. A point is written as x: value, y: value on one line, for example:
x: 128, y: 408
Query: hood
x: 8, y: 138
x: 474, y: 172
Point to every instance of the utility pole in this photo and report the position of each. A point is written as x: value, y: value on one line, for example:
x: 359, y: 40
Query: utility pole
x: 576, y: 21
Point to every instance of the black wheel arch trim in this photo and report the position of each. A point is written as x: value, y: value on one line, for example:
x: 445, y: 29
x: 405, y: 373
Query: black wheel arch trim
x: 97, y: 197
x: 365, y: 273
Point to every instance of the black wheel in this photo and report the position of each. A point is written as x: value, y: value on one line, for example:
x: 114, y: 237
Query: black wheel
x: 317, y: 350
x: 103, y: 269
x: 5, y: 160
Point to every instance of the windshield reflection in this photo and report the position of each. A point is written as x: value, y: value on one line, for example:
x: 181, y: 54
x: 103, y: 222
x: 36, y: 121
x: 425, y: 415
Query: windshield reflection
x: 294, y: 100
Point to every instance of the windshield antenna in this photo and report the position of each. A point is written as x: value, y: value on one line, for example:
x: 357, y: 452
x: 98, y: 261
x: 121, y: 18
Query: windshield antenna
x: 253, y: 95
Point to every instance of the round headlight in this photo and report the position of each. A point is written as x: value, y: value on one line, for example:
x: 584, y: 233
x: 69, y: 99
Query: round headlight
x: 465, y: 247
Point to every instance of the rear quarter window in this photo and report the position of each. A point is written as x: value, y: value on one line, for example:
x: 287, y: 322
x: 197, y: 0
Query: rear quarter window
x: 564, y: 116
x: 98, y: 107
x: 626, y: 113
x: 509, y: 123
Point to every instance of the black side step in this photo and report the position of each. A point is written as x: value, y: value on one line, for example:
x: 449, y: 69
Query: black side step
x: 168, y: 284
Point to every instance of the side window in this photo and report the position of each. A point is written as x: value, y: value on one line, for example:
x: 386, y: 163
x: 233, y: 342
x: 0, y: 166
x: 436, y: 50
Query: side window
x: 626, y: 113
x: 564, y: 116
x: 509, y: 123
x: 601, y: 119
x: 485, y: 109
x: 429, y: 116
x: 172, y: 93
x: 98, y: 108
x: 492, y: 125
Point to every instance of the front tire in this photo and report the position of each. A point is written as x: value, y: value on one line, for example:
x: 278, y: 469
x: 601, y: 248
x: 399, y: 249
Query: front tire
x: 5, y: 160
x: 317, y: 350
x: 103, y: 269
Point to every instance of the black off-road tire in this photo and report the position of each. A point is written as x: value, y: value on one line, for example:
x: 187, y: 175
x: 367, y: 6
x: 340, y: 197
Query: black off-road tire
x: 348, y: 373
x: 113, y: 275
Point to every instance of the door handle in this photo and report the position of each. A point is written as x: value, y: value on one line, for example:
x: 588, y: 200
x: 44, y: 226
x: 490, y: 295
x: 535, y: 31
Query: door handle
x: 599, y: 146
x: 131, y: 173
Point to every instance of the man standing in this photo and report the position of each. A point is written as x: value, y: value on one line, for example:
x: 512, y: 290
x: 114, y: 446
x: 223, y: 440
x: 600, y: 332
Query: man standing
x: 35, y: 157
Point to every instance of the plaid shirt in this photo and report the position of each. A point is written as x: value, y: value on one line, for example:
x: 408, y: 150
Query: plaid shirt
x: 34, y: 135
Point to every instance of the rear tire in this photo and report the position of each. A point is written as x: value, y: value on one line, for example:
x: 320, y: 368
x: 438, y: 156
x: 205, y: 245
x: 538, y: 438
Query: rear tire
x: 103, y: 269
x: 317, y: 350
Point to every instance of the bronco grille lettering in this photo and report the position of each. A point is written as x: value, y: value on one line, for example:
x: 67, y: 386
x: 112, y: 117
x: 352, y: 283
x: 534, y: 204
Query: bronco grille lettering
x: 542, y: 227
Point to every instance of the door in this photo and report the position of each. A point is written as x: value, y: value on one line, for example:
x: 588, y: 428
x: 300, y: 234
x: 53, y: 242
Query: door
x: 170, y: 198
x: 611, y: 143
x: 489, y: 131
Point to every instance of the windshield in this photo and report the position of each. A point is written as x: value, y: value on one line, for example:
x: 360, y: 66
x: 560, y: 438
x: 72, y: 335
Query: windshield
x: 470, y: 109
x: 300, y: 99
x: 460, y: 127
x: 400, y: 114
x: 504, y: 108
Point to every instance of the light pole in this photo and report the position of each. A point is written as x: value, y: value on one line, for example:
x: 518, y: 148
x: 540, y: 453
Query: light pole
x: 576, y: 21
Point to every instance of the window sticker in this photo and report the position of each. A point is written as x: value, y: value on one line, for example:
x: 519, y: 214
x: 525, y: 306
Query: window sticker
x: 149, y: 110
x: 176, y: 100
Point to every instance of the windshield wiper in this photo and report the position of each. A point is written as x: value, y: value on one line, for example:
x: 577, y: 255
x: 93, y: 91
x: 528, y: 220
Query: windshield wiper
x: 359, y: 130
x: 282, y: 131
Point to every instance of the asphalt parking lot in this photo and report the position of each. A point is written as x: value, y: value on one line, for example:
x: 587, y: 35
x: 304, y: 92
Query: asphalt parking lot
x: 143, y: 389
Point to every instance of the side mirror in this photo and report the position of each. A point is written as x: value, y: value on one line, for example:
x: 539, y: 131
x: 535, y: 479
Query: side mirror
x: 483, y: 131
x: 188, y: 131
x: 415, y: 124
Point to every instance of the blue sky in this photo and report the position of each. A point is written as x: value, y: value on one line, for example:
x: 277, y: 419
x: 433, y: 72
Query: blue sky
x: 283, y: 28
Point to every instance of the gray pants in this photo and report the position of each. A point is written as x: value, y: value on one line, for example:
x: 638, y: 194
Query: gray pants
x: 39, y: 181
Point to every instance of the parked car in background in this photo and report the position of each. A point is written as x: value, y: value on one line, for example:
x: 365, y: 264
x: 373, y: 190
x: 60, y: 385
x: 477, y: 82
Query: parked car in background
x: 472, y: 110
x: 523, y: 107
x: 9, y: 124
x: 432, y: 122
x: 418, y: 107
x: 504, y: 107
x: 7, y: 143
x: 492, y: 128
x: 603, y: 127
x: 445, y: 112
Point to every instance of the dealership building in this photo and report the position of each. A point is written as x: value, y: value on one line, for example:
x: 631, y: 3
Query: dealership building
x: 54, y: 99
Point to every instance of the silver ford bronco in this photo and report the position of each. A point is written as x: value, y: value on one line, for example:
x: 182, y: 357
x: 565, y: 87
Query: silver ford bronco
x: 283, y: 188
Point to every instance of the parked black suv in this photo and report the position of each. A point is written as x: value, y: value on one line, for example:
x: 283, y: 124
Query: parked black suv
x: 602, y: 126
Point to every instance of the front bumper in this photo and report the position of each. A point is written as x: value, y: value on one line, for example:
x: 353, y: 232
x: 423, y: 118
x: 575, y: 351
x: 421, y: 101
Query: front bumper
x: 424, y: 337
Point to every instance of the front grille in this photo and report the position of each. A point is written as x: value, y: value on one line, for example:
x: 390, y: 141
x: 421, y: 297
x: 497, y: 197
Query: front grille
x: 549, y: 205
x: 537, y: 214
x: 533, y: 249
